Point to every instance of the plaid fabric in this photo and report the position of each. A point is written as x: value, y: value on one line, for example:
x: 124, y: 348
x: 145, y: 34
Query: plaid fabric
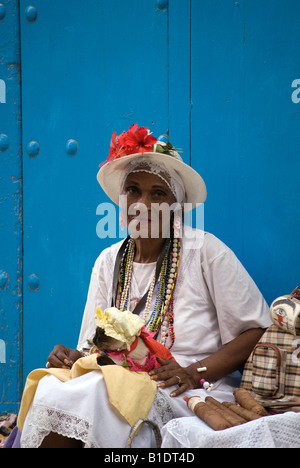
x: 273, y: 369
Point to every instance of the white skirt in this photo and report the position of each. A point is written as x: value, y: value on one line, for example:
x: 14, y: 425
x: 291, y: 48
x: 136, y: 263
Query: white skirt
x: 80, y: 409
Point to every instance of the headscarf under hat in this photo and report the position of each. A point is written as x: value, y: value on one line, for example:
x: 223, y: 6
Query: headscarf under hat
x: 169, y: 176
x: 138, y: 150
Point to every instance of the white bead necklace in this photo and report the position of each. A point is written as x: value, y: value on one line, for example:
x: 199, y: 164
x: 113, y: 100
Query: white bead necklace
x: 164, y: 315
x: 127, y: 284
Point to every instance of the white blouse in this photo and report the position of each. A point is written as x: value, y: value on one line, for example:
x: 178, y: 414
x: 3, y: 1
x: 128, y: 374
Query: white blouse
x: 215, y: 299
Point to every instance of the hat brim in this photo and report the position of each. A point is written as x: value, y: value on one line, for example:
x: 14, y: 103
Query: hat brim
x: 110, y: 176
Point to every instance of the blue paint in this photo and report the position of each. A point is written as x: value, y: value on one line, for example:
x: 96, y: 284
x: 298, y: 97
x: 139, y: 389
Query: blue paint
x: 4, y: 143
x: 245, y: 132
x: 10, y: 211
x: 162, y: 4
x: 33, y: 148
x: 163, y: 138
x: 220, y: 77
x: 33, y: 282
x: 2, y: 11
x: 3, y: 279
x: 30, y: 13
x: 81, y: 92
x: 71, y: 147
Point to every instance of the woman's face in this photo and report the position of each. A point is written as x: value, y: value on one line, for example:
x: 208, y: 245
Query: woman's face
x: 148, y: 205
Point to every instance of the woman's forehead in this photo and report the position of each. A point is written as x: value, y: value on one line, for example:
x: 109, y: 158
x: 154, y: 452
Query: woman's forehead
x: 141, y: 178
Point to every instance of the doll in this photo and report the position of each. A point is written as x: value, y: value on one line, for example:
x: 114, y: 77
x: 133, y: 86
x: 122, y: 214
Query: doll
x: 121, y: 339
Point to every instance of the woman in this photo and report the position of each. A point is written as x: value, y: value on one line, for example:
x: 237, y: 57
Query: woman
x: 189, y: 288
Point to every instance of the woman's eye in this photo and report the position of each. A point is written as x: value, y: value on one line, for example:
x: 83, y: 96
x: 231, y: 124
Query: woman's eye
x: 131, y: 190
x: 159, y: 194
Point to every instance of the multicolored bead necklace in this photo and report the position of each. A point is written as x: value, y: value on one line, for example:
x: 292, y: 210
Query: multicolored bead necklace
x: 161, y: 319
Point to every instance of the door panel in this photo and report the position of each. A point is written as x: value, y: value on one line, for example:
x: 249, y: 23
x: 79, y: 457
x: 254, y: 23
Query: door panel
x: 10, y: 210
x: 87, y: 70
x: 220, y: 75
x: 245, y: 132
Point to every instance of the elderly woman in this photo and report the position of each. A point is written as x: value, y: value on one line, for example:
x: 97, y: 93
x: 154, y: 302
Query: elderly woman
x: 188, y: 287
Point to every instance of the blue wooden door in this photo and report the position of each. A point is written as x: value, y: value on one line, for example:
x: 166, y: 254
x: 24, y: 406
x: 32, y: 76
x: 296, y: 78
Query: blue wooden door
x: 87, y: 69
x: 222, y: 76
x: 10, y: 210
x: 245, y: 131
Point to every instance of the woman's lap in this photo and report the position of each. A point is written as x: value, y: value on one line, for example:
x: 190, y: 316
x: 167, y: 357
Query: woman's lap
x: 80, y: 409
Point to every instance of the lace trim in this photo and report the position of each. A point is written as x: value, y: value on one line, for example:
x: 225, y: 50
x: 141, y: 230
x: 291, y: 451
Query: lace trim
x: 35, y: 438
x: 162, y: 409
x: 268, y: 432
x: 168, y: 175
x: 45, y: 420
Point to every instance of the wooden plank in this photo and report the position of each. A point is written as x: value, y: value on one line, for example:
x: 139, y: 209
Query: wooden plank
x: 180, y: 105
x: 271, y: 162
x: 10, y: 213
x: 216, y: 124
x: 87, y: 71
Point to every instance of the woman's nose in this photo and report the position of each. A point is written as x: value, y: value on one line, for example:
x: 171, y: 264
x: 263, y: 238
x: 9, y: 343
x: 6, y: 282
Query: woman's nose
x: 145, y: 200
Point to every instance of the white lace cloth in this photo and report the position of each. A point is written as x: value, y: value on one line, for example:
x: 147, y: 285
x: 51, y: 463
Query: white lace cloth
x: 80, y: 409
x: 279, y: 431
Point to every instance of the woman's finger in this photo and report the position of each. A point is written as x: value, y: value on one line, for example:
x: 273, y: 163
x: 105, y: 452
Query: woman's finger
x: 166, y: 366
x: 183, y: 388
x: 164, y: 362
x: 59, y: 358
x: 171, y: 381
x: 53, y: 361
x: 163, y: 374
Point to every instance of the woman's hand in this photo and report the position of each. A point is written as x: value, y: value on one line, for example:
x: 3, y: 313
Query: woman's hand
x: 63, y: 357
x: 229, y: 358
x: 171, y: 373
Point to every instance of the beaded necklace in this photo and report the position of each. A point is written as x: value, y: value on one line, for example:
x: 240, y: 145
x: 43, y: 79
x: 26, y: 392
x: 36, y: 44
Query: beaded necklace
x: 161, y: 318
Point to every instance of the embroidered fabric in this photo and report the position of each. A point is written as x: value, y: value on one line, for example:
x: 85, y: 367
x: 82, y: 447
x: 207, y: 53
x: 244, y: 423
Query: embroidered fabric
x: 279, y: 431
x: 45, y: 420
x: 169, y: 176
x: 162, y: 410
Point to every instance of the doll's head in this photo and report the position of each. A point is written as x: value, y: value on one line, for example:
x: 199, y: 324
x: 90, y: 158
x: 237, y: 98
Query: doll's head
x: 116, y: 330
x: 106, y: 343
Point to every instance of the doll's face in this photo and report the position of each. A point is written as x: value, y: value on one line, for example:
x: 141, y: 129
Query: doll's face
x: 107, y: 343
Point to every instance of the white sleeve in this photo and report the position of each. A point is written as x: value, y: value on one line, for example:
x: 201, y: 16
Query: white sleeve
x: 97, y: 297
x: 239, y: 304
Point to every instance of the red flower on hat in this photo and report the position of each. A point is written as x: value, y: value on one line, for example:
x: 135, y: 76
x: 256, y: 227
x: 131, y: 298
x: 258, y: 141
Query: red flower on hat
x: 135, y: 140
x: 139, y: 140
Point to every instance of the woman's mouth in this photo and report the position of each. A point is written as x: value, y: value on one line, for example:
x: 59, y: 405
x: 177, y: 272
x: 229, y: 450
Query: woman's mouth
x: 140, y: 220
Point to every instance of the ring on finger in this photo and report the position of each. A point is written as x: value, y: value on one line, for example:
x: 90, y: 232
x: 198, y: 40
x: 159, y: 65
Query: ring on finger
x: 179, y: 380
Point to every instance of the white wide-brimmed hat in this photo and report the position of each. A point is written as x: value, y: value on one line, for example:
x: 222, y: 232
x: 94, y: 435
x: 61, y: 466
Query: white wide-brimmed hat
x: 111, y: 173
